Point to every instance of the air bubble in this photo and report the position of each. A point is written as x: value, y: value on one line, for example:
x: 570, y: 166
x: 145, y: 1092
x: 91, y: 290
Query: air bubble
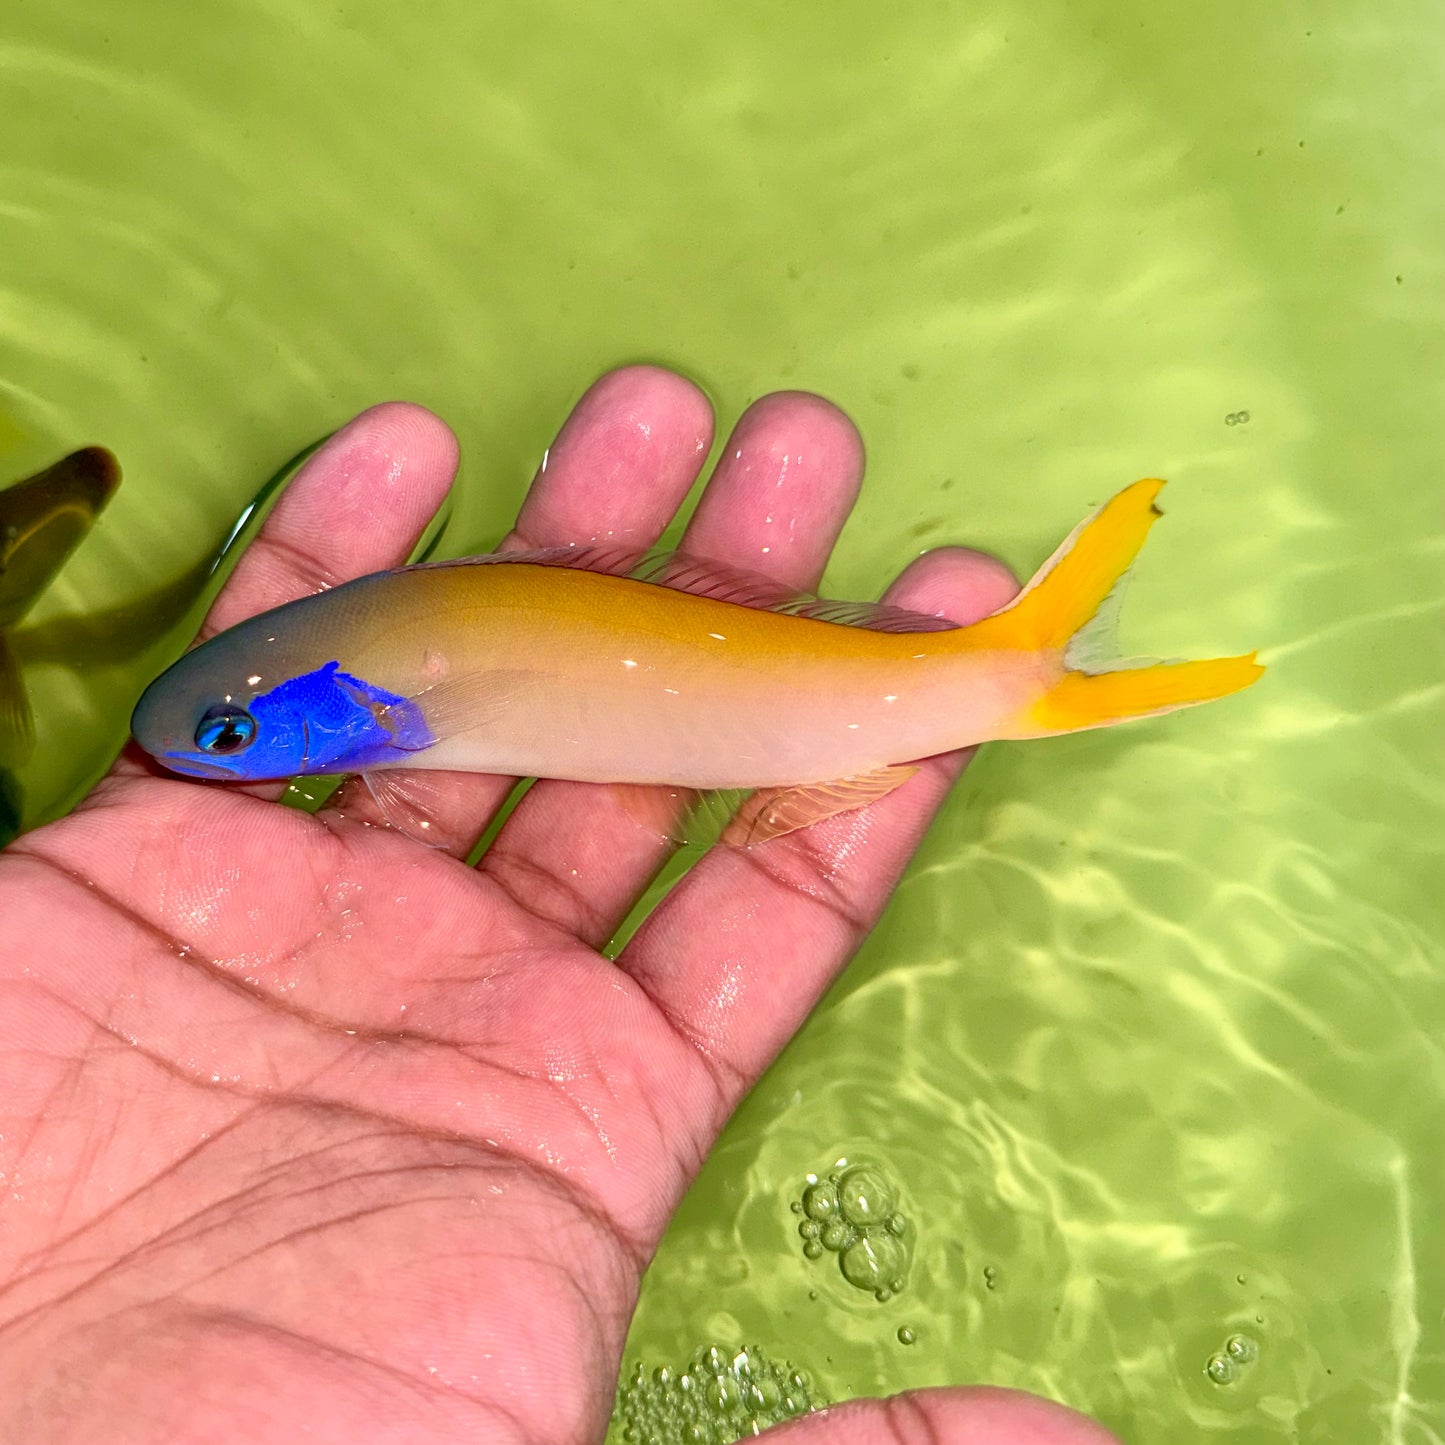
x: 854, y: 1214
x: 1221, y: 1369
x: 724, y: 1394
x: 1241, y: 1349
x: 872, y: 1262
x: 865, y: 1195
x: 717, y: 1396
x: 820, y: 1201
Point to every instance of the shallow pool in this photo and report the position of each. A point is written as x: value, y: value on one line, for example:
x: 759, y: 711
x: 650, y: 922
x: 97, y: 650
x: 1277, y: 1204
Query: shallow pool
x: 1149, y: 1042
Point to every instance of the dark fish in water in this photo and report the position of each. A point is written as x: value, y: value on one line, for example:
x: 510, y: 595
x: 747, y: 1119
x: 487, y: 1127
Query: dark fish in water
x: 42, y: 521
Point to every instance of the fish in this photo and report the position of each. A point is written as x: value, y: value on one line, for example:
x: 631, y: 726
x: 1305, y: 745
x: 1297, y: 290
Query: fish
x: 602, y: 666
x: 42, y: 520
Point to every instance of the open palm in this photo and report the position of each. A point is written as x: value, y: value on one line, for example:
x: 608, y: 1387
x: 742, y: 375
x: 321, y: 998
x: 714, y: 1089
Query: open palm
x: 309, y: 1131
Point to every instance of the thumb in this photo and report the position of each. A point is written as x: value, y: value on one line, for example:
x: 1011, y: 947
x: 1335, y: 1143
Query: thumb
x: 944, y: 1417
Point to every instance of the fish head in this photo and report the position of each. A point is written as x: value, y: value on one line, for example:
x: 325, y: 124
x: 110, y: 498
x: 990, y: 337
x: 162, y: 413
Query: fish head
x: 239, y: 708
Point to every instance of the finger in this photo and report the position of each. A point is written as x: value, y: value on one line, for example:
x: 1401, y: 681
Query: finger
x: 709, y: 954
x: 786, y: 482
x: 945, y: 1417
x: 357, y: 506
x: 621, y: 465
x: 618, y: 471
x: 788, y: 478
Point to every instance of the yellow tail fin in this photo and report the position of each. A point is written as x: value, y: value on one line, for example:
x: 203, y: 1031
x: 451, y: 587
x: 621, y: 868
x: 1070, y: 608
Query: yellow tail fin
x: 1053, y: 613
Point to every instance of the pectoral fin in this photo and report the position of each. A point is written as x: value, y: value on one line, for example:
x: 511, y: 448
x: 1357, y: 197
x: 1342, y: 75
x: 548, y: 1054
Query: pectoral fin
x: 771, y: 812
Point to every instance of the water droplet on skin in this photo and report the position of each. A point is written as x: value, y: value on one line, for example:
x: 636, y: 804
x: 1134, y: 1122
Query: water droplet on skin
x: 990, y: 1277
x: 813, y: 1249
x: 836, y: 1235
x: 905, y: 1335
x: 1241, y: 1349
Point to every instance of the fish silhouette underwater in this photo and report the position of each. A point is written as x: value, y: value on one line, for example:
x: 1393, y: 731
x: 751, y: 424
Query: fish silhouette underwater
x: 43, y: 519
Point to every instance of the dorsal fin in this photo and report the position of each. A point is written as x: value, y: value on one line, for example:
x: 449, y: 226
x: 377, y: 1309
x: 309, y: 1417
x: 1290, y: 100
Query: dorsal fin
x: 702, y: 577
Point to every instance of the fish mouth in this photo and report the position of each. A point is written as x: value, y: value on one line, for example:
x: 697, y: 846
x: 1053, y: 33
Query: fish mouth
x: 195, y: 767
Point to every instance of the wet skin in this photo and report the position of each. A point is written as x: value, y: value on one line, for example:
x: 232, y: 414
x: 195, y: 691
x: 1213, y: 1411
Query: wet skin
x: 311, y: 1131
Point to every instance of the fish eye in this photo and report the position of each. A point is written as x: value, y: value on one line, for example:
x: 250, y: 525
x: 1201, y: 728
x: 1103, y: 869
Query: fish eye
x: 225, y: 729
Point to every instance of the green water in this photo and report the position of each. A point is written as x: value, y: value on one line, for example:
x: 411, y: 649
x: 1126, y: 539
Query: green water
x: 1152, y: 1032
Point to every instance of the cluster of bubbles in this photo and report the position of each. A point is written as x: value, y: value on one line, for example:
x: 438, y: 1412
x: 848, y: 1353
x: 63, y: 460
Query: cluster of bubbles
x: 719, y: 1396
x: 1238, y: 1354
x: 1236, y: 418
x: 853, y: 1213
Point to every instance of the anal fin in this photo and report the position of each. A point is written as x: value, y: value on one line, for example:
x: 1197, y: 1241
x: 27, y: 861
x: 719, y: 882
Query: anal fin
x: 682, y: 816
x: 772, y: 812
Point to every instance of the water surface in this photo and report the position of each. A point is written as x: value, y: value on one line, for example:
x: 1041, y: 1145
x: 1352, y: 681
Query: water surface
x: 1152, y: 1031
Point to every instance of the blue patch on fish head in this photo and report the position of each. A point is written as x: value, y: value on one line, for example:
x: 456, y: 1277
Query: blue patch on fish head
x: 326, y: 721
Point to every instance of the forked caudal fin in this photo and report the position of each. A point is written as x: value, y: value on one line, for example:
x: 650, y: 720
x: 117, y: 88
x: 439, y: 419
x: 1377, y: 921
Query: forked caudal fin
x: 1069, y: 608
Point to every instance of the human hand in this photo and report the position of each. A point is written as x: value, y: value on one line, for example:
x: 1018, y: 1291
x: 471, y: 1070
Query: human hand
x: 308, y: 1130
